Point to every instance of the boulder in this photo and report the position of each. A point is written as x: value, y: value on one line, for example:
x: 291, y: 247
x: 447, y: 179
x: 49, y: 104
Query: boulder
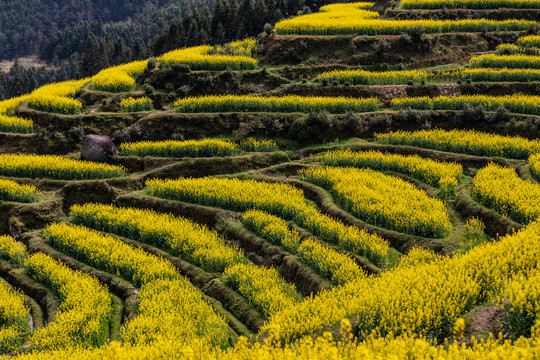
x: 98, y: 148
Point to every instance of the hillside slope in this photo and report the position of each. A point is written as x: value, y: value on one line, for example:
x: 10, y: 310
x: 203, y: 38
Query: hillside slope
x: 347, y: 185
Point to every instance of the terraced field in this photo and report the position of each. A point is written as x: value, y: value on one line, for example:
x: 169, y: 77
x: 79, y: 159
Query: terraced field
x: 270, y: 199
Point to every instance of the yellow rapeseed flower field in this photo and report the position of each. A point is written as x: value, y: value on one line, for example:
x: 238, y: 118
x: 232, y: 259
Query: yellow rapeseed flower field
x: 14, y: 317
x: 289, y: 103
x: 521, y: 302
x: 426, y: 299
x: 12, y: 251
x: 173, y: 148
x: 516, y: 103
x: 501, y: 189
x: 55, y: 167
x: 263, y: 287
x: 365, y: 77
x: 534, y: 163
x: 464, y: 141
x: 343, y: 19
x: 330, y: 264
x: 278, y: 199
x: 137, y: 104
x: 83, y: 313
x: 181, y: 237
x: 170, y: 307
x: 57, y: 97
x: 14, y: 124
x: 257, y: 145
x: 512, y: 61
x: 425, y: 169
x: 470, y: 4
x: 202, y: 58
x: 13, y: 191
x: 530, y: 41
x: 383, y: 200
x: 272, y: 229
x: 119, y: 78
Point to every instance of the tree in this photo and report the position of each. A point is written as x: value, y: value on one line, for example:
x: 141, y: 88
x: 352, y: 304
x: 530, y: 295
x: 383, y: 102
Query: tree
x: 87, y: 65
x: 102, y: 60
x: 138, y: 51
x: 3, y: 87
x: 118, y: 53
x: 18, y: 87
x: 245, y: 18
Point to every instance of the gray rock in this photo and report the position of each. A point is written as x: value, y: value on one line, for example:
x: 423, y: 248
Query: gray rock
x: 98, y: 148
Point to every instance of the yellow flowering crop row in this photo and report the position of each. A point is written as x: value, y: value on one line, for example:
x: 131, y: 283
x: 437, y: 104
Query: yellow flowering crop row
x: 14, y: 318
x: 118, y: 78
x: 172, y: 148
x: 272, y: 229
x: 364, y: 77
x: 7, y: 107
x: 464, y: 141
x: 430, y: 171
x: 515, y: 61
x: 510, y: 49
x: 245, y: 47
x: 322, y: 347
x: 183, y: 238
x: 501, y: 189
x: 195, y: 243
x: 185, y: 312
x: 426, y: 299
x: 329, y: 263
x: 534, y: 163
x: 406, y: 299
x: 113, y: 81
x: 173, y: 309
x: 258, y: 145
x: 109, y: 254
x: 84, y: 310
x: 289, y: 103
x: 521, y: 302
x: 13, y: 124
x: 418, y: 256
x: 10, y: 339
x: 340, y: 19
x: 383, y: 200
x: 13, y: 191
x: 516, y: 103
x: 470, y: 4
x: 61, y: 89
x: 530, y: 41
x: 201, y: 58
x: 278, y: 199
x: 56, y: 98
x: 136, y: 105
x: 263, y: 287
x: 12, y: 251
x: 56, y: 104
x: 55, y: 167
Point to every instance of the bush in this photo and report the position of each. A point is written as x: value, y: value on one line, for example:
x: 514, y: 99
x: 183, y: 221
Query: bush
x: 382, y: 46
x: 180, y: 68
x: 471, y: 114
x: 268, y: 29
x: 316, y: 127
x: 152, y: 64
